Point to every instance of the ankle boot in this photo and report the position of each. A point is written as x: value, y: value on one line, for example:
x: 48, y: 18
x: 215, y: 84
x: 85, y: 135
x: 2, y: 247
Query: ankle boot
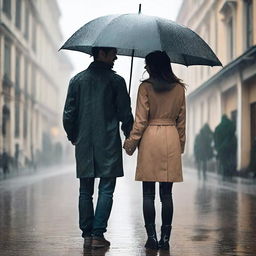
x: 165, y: 237
x: 152, y: 242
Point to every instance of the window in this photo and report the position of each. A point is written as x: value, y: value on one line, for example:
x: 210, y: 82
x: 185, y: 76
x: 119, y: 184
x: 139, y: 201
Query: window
x: 17, y: 71
x: 18, y: 14
x: 230, y: 39
x: 249, y: 23
x: 17, y: 95
x: 26, y: 78
x: 26, y: 30
x: 16, y: 154
x: 5, y: 119
x: 17, y: 116
x: 34, y: 36
x: 7, y: 7
x: 25, y: 121
x: 229, y: 10
x: 7, y: 59
x: 33, y: 82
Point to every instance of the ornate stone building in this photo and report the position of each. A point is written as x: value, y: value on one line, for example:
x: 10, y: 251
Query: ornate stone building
x: 32, y: 78
x: 229, y: 27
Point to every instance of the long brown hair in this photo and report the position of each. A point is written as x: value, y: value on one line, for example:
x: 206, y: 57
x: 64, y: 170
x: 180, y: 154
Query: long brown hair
x: 160, y: 68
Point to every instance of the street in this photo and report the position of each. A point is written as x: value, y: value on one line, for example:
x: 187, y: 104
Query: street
x: 39, y: 216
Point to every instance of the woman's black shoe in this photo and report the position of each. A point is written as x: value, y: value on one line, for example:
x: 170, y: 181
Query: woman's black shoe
x: 165, y: 237
x: 152, y: 242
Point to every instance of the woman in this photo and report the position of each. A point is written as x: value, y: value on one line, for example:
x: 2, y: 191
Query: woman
x: 159, y: 133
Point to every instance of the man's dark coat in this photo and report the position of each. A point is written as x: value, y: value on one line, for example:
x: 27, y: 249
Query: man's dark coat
x: 97, y: 100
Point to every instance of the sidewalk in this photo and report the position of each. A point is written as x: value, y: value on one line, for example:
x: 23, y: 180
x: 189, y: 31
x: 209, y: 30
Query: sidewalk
x: 238, y: 184
x: 28, y: 177
x: 39, y: 216
x: 19, y: 172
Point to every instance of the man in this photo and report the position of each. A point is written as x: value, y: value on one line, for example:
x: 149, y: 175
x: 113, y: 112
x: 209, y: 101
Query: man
x: 97, y: 100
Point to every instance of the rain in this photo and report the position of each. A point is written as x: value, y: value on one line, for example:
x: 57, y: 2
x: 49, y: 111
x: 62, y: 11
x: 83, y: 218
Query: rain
x: 214, y: 206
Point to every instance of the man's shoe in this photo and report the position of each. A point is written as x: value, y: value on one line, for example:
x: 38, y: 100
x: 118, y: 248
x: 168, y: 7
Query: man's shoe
x: 99, y: 242
x: 87, y: 241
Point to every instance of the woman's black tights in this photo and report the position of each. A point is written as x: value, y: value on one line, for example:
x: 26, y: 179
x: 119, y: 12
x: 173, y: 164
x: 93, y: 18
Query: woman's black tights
x: 149, y: 212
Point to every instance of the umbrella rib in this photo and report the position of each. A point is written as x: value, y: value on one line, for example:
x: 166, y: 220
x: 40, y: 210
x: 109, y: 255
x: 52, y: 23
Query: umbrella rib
x: 159, y: 34
x: 185, y: 61
x: 216, y: 59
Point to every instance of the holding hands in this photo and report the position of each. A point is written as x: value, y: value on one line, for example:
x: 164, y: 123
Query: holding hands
x: 129, y: 148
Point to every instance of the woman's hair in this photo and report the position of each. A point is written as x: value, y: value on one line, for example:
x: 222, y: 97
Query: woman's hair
x: 160, y: 68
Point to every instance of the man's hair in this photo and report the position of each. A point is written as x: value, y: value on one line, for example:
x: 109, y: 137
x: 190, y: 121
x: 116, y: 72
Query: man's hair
x: 96, y: 50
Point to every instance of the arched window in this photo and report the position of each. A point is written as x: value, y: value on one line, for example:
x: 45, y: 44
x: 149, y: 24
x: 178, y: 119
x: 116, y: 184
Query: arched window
x: 228, y: 10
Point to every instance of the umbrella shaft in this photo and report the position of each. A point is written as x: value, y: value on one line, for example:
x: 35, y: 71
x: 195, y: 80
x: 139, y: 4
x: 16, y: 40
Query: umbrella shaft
x: 130, y: 82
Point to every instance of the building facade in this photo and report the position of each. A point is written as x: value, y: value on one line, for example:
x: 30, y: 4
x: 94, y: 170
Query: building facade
x: 229, y: 27
x: 32, y: 75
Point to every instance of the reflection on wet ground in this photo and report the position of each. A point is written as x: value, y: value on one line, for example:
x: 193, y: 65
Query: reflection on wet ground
x: 38, y: 216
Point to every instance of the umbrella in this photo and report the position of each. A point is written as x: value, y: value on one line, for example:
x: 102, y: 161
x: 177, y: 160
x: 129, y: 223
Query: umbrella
x: 137, y: 35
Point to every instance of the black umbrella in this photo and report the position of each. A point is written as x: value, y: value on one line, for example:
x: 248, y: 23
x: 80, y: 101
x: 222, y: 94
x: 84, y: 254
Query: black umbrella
x: 138, y: 34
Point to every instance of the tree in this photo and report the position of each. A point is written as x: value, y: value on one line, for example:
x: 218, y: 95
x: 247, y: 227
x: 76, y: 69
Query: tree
x: 225, y: 143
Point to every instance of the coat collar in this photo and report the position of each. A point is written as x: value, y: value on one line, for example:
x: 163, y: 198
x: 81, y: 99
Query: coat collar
x: 160, y: 84
x: 100, y: 64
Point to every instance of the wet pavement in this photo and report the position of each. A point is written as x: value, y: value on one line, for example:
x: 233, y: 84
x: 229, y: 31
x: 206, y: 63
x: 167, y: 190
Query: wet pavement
x: 39, y: 217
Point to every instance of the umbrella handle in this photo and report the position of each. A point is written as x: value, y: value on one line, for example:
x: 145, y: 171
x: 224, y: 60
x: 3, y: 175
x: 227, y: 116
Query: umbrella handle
x: 130, y: 82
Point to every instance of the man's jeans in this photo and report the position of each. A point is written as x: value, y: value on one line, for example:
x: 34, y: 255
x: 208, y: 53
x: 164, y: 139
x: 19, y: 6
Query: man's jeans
x: 90, y: 223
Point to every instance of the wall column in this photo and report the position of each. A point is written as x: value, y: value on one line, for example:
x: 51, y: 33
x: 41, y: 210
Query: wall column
x: 1, y: 89
x: 219, y: 105
x: 254, y: 21
x: 243, y: 124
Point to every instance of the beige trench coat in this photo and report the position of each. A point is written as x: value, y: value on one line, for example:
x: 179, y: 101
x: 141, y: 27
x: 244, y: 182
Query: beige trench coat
x: 159, y: 133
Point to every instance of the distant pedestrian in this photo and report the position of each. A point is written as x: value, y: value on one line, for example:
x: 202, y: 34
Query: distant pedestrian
x: 97, y: 101
x: 159, y: 134
x: 5, y: 163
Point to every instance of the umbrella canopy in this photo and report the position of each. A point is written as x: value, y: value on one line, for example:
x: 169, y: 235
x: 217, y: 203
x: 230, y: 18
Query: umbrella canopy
x: 138, y: 34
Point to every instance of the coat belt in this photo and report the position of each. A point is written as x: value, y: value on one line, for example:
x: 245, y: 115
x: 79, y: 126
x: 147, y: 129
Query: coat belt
x: 163, y: 122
